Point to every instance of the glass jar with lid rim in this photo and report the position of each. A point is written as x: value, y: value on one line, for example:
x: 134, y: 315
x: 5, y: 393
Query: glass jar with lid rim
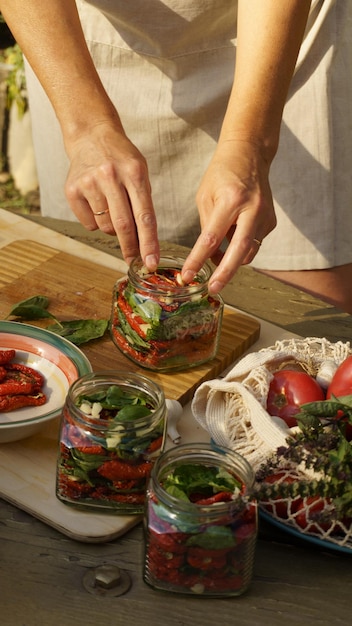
x: 200, y: 522
x: 163, y: 324
x: 112, y: 430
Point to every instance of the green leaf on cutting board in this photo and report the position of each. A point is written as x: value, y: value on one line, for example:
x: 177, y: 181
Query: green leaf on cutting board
x: 80, y: 331
x: 32, y: 309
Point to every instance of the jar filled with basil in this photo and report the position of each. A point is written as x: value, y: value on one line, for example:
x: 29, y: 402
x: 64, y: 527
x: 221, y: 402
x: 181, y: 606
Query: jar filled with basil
x: 200, y: 522
x: 112, y: 430
x: 162, y: 323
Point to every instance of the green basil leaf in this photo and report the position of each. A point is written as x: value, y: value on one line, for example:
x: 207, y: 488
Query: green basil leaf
x: 32, y: 308
x: 131, y: 412
x: 213, y: 538
x: 39, y: 301
x: 80, y: 331
x: 30, y: 312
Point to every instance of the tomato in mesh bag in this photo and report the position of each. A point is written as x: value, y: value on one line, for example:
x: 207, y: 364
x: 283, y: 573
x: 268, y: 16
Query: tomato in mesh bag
x: 279, y: 506
x: 288, y: 390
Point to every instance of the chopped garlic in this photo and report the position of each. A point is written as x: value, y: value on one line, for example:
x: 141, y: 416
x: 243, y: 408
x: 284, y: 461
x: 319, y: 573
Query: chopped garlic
x: 145, y: 327
x: 86, y: 408
x: 96, y: 409
x: 179, y: 279
x: 113, y: 442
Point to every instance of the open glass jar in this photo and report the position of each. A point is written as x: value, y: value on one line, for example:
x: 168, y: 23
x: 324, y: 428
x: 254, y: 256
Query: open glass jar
x: 112, y: 430
x: 200, y: 525
x: 161, y: 323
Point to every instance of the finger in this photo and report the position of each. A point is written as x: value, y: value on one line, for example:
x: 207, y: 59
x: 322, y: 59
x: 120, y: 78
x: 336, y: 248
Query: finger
x: 241, y: 251
x: 208, y: 243
x: 146, y: 225
x: 217, y: 256
x: 105, y: 204
x: 89, y: 204
x: 124, y: 209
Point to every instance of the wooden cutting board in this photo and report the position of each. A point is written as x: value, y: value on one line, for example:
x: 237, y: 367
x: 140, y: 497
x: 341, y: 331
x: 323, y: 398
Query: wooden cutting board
x: 80, y: 289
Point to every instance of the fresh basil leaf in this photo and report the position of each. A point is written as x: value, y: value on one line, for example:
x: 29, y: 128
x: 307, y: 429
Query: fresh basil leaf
x: 132, y: 412
x: 137, y: 341
x: 192, y: 478
x: 213, y: 538
x: 87, y: 462
x: 116, y: 398
x: 178, y: 493
x: 30, y: 312
x: 40, y: 301
x: 147, y: 308
x: 80, y: 331
x: 184, y: 524
x: 32, y: 308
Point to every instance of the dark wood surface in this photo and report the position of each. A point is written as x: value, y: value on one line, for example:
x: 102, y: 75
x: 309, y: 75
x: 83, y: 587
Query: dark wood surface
x: 295, y: 582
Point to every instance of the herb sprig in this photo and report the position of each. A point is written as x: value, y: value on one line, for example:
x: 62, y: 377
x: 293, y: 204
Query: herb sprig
x: 320, y: 444
x: 76, y: 331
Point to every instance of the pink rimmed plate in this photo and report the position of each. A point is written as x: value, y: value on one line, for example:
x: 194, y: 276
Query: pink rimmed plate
x: 56, y: 358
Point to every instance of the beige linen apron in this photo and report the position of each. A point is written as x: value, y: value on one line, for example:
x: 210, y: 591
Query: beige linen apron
x: 168, y: 67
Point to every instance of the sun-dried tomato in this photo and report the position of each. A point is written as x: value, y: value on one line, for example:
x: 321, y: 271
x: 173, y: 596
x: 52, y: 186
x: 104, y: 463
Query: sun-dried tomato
x: 169, y: 542
x: 155, y: 445
x: 221, y: 496
x: 11, y: 387
x: 72, y: 488
x: 91, y: 449
x: 12, y: 403
x: 166, y: 559
x: 6, y: 356
x: 118, y: 470
x: 26, y: 372
x: 20, y: 385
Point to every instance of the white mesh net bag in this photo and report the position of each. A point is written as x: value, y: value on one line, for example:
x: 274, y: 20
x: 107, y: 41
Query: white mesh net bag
x: 232, y: 410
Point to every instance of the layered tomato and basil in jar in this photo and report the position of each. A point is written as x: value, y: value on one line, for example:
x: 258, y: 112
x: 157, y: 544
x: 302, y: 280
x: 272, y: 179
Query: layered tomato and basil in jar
x: 163, y: 324
x: 112, y: 431
x: 200, y: 523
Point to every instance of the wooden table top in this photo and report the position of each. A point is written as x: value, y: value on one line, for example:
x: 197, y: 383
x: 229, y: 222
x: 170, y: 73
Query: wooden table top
x: 295, y: 582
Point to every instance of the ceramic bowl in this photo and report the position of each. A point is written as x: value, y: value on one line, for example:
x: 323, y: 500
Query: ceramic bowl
x: 57, y: 359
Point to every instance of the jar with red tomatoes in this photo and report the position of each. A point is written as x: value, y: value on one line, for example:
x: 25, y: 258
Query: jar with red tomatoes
x: 161, y: 323
x: 112, y: 430
x: 200, y: 523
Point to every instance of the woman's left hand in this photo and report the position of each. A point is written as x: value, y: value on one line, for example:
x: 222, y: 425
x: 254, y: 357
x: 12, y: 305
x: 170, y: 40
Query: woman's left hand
x: 234, y: 203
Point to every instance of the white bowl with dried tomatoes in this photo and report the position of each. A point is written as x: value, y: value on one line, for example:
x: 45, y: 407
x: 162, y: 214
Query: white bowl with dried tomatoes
x: 36, y: 354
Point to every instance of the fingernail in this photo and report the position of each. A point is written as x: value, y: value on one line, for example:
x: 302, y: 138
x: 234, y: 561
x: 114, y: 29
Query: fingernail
x: 215, y: 287
x: 188, y: 276
x: 151, y: 262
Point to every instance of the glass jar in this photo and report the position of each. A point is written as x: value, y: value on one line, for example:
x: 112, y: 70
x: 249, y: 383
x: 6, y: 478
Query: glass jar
x: 161, y: 323
x: 200, y: 540
x: 112, y: 430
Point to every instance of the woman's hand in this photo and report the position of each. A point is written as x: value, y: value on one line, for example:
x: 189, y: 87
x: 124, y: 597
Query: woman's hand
x: 234, y: 199
x: 108, y: 188
x: 235, y: 203
x: 108, y: 184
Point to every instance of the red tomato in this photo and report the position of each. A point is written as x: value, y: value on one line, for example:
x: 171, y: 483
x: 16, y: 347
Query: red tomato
x: 341, y: 385
x: 281, y: 506
x: 288, y: 390
x: 308, y: 511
